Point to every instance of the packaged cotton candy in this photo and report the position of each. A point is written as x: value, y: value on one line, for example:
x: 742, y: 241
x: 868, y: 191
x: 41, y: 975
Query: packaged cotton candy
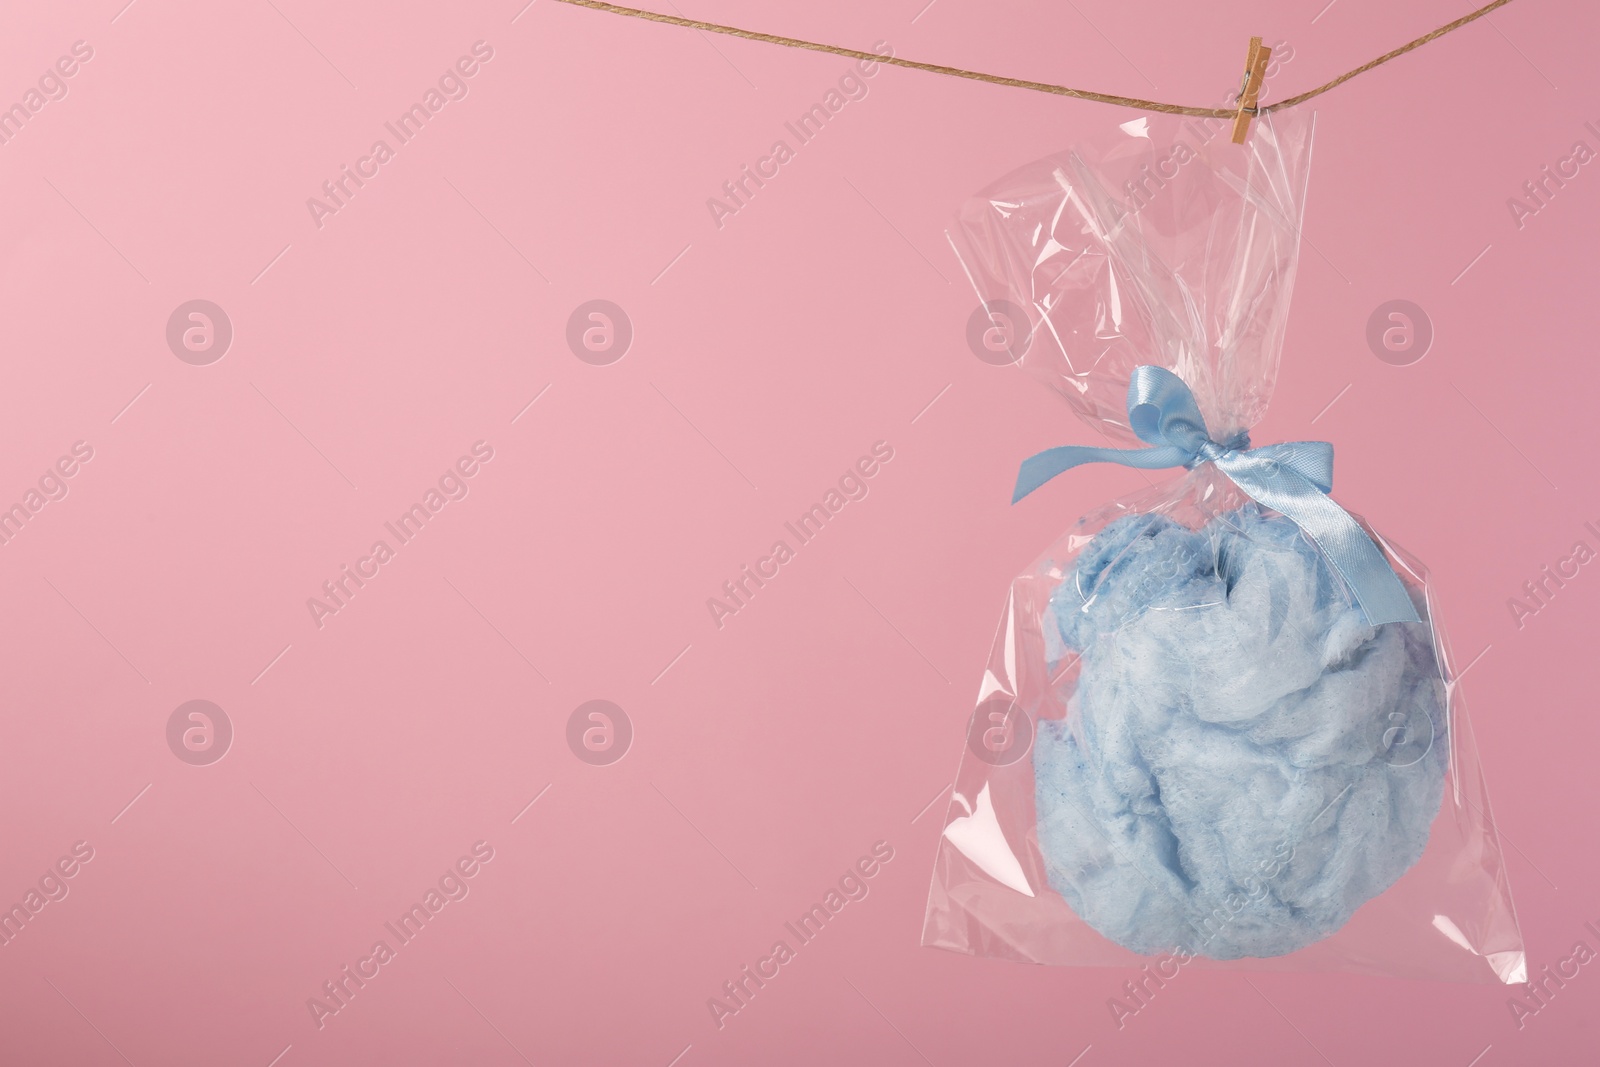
x: 1219, y: 719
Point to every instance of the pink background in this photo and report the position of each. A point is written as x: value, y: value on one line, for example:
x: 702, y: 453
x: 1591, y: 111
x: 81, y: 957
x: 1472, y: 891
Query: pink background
x: 827, y: 314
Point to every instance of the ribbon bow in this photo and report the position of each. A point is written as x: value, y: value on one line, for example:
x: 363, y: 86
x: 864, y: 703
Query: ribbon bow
x: 1292, y: 479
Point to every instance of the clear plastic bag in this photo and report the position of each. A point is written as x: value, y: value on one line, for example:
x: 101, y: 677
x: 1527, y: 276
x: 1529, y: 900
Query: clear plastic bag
x: 1189, y: 740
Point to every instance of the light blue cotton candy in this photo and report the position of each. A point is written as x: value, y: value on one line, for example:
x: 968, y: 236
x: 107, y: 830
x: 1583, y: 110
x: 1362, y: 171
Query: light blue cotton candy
x: 1244, y: 761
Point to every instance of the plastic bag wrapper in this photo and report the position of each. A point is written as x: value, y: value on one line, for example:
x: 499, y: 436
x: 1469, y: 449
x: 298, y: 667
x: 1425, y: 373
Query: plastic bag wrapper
x: 1188, y: 741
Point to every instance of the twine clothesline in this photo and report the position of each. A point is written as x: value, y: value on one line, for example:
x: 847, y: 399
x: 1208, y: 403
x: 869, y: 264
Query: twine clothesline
x: 1019, y: 83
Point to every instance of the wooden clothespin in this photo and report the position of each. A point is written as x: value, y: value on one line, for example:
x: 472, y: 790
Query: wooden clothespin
x: 1255, y: 71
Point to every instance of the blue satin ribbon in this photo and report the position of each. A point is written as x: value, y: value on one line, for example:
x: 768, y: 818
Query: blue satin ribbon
x: 1292, y: 479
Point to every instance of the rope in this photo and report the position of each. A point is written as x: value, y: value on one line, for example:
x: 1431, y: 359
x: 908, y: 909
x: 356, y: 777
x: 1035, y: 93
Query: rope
x: 1018, y: 83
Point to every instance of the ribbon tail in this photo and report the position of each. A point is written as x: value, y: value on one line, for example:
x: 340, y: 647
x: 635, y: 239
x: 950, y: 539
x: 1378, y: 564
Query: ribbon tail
x: 1040, y: 468
x: 1379, y: 591
x: 1312, y: 460
x: 1362, y: 565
